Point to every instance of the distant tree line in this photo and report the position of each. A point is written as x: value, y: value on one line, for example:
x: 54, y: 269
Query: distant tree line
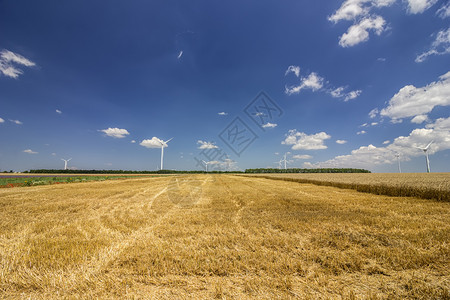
x: 295, y: 170
x: 52, y: 171
x: 261, y: 170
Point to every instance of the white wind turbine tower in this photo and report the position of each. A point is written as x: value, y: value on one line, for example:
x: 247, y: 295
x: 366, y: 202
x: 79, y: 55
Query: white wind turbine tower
x: 206, y: 164
x: 425, y: 150
x: 65, y: 162
x: 398, y: 161
x: 284, y: 160
x: 163, y: 145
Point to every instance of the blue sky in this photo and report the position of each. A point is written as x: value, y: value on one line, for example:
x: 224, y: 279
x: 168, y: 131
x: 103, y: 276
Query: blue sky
x: 355, y: 83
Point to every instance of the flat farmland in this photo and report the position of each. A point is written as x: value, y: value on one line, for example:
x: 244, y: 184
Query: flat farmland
x: 220, y: 236
x: 422, y: 185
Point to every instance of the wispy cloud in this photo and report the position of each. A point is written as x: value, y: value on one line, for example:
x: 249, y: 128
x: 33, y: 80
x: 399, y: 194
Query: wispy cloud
x: 303, y: 141
x: 269, y: 125
x: 361, y: 132
x: 2, y: 121
x: 339, y: 93
x: 16, y: 122
x: 222, y: 113
x: 293, y: 69
x: 58, y: 111
x: 117, y: 133
x: 444, y: 11
x: 133, y: 142
x: 373, y: 113
x: 29, y: 151
x: 206, y: 145
x: 304, y: 156
x: 440, y: 46
x: 369, y: 124
x: 315, y: 82
x: 9, y: 59
x: 180, y: 54
x: 341, y: 142
x: 419, y: 119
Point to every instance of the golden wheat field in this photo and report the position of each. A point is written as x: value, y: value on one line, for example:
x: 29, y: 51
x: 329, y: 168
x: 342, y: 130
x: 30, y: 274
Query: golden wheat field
x: 220, y: 236
x: 422, y: 185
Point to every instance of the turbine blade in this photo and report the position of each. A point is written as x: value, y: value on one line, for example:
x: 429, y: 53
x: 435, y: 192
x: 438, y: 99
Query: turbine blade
x: 168, y: 141
x: 426, y: 148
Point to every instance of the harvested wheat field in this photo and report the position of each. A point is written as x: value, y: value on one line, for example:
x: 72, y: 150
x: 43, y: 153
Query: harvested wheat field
x: 220, y: 236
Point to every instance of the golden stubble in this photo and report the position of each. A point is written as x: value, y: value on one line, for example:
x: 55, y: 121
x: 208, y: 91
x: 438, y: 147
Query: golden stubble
x: 220, y: 236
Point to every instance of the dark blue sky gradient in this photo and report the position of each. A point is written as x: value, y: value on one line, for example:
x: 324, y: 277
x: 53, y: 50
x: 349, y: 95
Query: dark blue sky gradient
x: 114, y: 64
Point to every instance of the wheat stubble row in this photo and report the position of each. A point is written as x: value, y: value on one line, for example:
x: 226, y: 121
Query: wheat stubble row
x: 219, y: 236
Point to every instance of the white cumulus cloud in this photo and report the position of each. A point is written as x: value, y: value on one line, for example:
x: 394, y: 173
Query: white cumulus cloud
x: 8, y: 62
x: 361, y: 132
x: 303, y: 141
x: 411, y: 101
x: 361, y: 12
x: 313, y: 82
x: 206, y: 145
x: 115, y: 132
x: 341, y: 142
x: 352, y: 9
x: 440, y: 124
x: 269, y: 125
x: 154, y: 142
x: 419, y: 6
x: 359, y: 33
x: 407, y: 146
x: 2, y: 121
x: 29, y: 151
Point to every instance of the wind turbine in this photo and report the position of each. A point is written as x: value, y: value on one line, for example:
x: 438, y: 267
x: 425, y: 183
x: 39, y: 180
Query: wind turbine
x: 425, y: 150
x: 65, y: 162
x: 228, y: 163
x: 163, y: 144
x: 284, y: 160
x: 206, y: 164
x: 279, y: 163
x: 398, y: 161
